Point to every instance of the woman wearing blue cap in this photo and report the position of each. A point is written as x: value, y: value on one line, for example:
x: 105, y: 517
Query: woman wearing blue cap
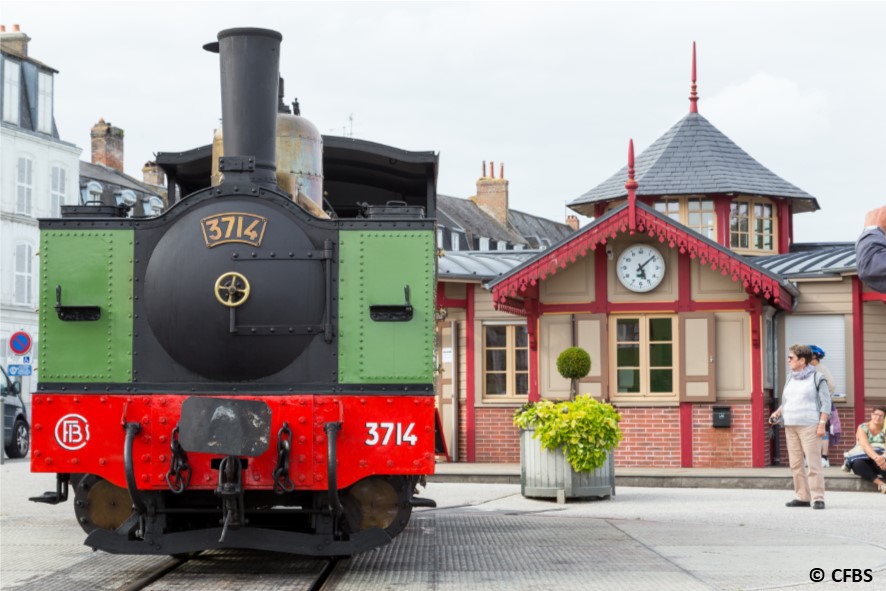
x: 817, y: 355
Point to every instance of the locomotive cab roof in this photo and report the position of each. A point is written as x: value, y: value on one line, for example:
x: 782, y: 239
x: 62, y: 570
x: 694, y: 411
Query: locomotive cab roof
x: 354, y: 171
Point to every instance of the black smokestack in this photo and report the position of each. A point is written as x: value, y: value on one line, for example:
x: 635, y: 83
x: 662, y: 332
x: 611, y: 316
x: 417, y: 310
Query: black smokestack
x: 250, y: 66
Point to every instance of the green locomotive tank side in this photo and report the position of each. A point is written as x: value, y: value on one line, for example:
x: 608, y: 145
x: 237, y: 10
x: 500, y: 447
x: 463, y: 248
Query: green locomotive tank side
x: 374, y: 269
x: 93, y: 268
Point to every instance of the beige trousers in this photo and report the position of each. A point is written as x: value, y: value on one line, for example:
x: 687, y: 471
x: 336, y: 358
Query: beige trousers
x: 804, y: 441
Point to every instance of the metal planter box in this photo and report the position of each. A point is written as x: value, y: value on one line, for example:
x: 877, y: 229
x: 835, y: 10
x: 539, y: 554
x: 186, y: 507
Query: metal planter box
x: 546, y: 473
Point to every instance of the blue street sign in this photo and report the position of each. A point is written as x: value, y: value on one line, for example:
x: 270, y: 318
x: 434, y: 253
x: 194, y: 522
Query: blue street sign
x: 19, y: 369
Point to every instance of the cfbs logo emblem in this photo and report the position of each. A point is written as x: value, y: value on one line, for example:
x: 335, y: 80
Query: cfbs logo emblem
x: 72, y: 432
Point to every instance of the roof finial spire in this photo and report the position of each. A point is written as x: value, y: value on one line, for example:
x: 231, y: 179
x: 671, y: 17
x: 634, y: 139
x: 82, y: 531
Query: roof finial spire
x: 631, y: 186
x: 693, y: 95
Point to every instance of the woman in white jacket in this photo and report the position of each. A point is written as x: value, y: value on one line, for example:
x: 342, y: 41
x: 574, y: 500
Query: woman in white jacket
x: 805, y: 407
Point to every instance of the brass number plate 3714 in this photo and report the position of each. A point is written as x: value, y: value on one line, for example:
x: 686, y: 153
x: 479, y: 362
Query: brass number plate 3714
x: 222, y: 228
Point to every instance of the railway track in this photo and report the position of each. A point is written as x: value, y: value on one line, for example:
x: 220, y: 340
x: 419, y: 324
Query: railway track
x: 213, y: 570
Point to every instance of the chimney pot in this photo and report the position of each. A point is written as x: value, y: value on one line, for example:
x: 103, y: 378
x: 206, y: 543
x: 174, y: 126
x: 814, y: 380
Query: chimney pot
x: 15, y: 28
x: 492, y: 195
x: 107, y: 145
x: 572, y: 222
x: 2, y: 28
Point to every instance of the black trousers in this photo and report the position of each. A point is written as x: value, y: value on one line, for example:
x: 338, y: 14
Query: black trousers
x: 868, y: 470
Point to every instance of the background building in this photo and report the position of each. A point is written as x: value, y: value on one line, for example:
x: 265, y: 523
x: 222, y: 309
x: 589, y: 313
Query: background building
x: 38, y: 174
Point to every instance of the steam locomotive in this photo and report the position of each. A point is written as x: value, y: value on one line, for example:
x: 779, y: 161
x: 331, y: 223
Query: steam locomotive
x: 254, y: 367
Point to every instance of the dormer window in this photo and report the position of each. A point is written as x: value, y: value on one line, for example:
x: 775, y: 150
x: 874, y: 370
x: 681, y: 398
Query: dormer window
x: 92, y: 193
x: 696, y: 213
x: 44, y: 103
x: 12, y: 73
x: 752, y: 224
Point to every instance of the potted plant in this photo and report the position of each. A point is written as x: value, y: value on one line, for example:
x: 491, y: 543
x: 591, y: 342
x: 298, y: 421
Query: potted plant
x: 573, y: 364
x: 566, y: 447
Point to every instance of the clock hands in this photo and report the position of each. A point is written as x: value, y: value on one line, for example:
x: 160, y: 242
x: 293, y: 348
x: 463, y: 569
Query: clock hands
x: 640, y: 272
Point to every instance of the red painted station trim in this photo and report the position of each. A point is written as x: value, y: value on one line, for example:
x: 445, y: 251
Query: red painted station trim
x: 446, y: 302
x: 597, y: 308
x: 758, y: 432
x: 873, y: 296
x: 693, y: 95
x: 470, y: 419
x: 686, y: 434
x: 532, y: 329
x: 858, y: 349
x: 688, y: 242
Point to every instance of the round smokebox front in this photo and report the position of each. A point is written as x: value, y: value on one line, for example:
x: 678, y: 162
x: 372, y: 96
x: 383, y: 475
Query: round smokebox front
x: 235, y: 290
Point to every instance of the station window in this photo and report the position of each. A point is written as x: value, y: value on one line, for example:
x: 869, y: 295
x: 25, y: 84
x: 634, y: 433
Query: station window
x: 752, y: 224
x: 505, y: 361
x: 696, y: 213
x: 645, y: 362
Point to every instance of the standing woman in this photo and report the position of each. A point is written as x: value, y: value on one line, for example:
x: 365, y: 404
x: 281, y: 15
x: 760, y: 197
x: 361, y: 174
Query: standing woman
x: 805, y: 409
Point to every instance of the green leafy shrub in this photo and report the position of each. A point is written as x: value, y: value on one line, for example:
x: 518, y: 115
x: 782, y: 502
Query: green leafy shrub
x: 574, y: 363
x: 585, y: 429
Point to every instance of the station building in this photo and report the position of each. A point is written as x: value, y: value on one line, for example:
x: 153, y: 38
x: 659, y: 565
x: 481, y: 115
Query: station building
x: 686, y: 289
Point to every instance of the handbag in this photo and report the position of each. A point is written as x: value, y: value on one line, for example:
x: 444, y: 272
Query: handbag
x: 858, y: 453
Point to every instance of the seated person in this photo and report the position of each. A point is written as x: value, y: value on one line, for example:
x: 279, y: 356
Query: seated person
x: 867, y: 459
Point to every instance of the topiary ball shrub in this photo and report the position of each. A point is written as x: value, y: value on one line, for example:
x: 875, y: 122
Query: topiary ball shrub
x: 574, y: 363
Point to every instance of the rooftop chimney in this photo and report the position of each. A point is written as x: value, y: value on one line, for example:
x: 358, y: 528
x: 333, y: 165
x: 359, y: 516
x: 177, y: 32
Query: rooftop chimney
x: 16, y: 41
x: 153, y: 174
x: 107, y: 145
x: 492, y: 194
x: 572, y: 222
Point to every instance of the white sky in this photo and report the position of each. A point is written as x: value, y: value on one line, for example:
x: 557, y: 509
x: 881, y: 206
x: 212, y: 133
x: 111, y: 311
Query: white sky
x: 552, y: 90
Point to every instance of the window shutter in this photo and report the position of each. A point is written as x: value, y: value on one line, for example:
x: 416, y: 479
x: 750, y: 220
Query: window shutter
x: 698, y: 358
x: 590, y: 332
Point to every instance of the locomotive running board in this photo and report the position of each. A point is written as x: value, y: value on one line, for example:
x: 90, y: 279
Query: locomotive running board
x: 243, y: 538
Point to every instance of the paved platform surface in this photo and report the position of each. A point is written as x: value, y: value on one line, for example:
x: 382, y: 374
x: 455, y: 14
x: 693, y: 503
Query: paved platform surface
x: 487, y: 536
x: 778, y: 478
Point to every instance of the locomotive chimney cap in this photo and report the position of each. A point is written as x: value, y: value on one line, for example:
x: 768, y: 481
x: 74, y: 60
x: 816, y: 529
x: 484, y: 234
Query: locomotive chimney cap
x: 213, y: 46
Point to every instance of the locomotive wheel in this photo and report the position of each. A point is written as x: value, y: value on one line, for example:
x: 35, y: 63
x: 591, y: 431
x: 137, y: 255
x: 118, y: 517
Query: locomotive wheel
x: 98, y: 504
x: 379, y: 501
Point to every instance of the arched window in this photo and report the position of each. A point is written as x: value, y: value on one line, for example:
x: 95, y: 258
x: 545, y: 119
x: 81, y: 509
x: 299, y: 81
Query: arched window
x: 92, y: 193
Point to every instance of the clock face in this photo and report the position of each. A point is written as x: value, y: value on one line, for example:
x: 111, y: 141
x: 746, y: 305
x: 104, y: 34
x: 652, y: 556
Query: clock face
x: 640, y: 267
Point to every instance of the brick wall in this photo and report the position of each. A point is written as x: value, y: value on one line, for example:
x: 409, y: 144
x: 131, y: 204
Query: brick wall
x: 498, y: 440
x: 650, y: 437
x: 722, y: 447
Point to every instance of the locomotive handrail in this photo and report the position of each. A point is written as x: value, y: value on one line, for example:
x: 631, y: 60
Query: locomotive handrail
x: 332, y: 430
x: 132, y: 429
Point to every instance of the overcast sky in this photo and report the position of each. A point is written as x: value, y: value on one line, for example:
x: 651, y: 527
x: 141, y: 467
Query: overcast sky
x: 552, y: 90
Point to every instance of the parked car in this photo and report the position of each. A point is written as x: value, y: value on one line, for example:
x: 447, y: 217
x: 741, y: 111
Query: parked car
x: 16, y: 430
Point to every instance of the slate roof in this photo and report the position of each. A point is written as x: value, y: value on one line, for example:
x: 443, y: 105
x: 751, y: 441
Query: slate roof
x: 812, y: 261
x: 466, y: 217
x: 695, y: 158
x: 474, y: 221
x: 105, y: 175
x: 480, y: 265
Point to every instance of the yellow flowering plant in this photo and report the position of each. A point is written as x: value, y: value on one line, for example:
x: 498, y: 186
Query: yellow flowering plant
x: 584, y: 428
